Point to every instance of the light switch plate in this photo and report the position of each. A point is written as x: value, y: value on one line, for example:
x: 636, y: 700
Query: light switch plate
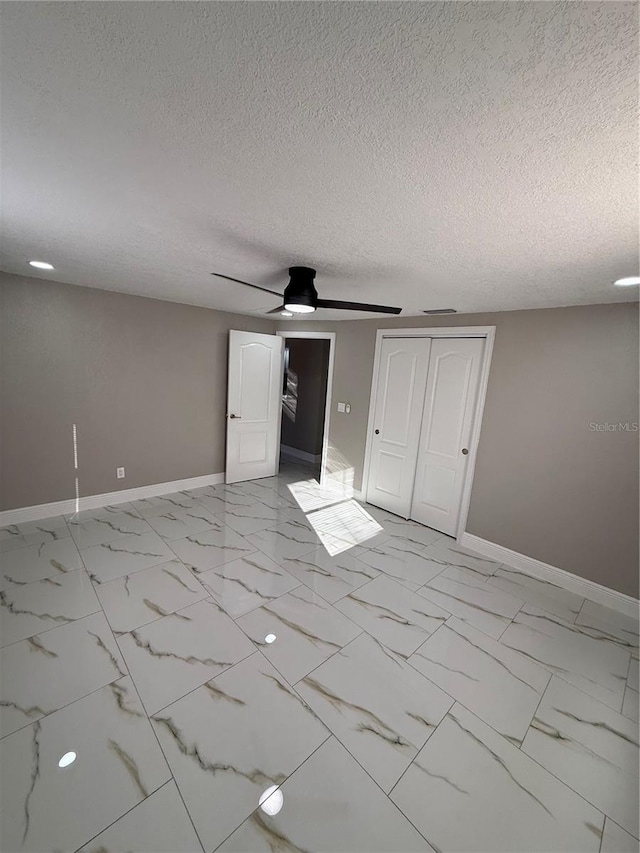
x: 341, y: 407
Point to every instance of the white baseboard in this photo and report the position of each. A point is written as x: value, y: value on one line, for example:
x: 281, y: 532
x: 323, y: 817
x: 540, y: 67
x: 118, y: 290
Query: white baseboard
x: 294, y: 453
x: 581, y: 586
x: 33, y: 513
x: 566, y: 580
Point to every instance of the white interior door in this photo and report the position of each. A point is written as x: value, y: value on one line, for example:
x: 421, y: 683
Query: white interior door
x: 447, y: 421
x: 399, y: 400
x: 253, y: 406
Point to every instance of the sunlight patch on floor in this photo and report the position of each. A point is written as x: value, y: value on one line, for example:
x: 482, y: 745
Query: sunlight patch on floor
x: 337, y: 519
x: 337, y: 472
x: 343, y: 526
x: 310, y: 495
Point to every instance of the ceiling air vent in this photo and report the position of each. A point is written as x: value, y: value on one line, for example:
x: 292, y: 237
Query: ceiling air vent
x: 440, y: 311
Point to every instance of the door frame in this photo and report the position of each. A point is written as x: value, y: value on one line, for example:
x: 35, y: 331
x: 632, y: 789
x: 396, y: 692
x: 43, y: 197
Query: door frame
x: 322, y: 336
x: 486, y: 332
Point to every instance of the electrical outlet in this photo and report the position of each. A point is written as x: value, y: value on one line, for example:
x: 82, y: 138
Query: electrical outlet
x: 347, y: 408
x: 120, y: 473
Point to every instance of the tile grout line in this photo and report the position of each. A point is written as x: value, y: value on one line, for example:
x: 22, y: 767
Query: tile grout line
x: 52, y: 627
x: 376, y: 783
x: 531, y: 758
x: 566, y: 785
x: 326, y: 660
x: 421, y: 675
x: 244, y: 537
x: 293, y: 687
x: 296, y: 693
x: 259, y: 645
x: 550, y: 772
x: 173, y: 613
x: 173, y: 778
x: 248, y: 817
x: 256, y: 651
x: 152, y: 715
x: 101, y: 610
x: 66, y: 705
x: 319, y: 594
x: 462, y: 704
x: 511, y: 621
x: 533, y: 716
x: 628, y: 675
x: 490, y: 613
x: 560, y: 674
x: 124, y: 814
x: 150, y: 724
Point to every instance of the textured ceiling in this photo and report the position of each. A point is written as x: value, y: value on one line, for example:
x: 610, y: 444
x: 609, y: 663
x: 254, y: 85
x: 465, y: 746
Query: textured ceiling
x: 479, y: 155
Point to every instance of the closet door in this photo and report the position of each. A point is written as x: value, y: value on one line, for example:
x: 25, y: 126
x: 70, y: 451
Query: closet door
x: 399, y: 401
x: 447, y: 421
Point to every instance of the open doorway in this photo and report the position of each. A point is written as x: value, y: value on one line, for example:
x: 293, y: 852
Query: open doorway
x: 306, y: 388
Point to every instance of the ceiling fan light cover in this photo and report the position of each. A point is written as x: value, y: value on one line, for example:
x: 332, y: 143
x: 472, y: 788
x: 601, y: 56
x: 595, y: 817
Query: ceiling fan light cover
x: 299, y: 308
x: 300, y: 296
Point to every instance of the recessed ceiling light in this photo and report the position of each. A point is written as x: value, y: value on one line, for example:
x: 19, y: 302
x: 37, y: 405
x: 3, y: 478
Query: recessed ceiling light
x: 41, y: 265
x: 270, y: 638
x: 627, y: 282
x: 286, y: 314
x: 67, y: 759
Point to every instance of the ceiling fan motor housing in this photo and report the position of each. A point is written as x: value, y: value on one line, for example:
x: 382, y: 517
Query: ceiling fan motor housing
x: 301, y: 290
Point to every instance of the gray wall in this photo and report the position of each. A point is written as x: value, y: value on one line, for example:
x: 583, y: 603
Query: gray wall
x: 309, y: 359
x: 145, y: 382
x: 545, y: 485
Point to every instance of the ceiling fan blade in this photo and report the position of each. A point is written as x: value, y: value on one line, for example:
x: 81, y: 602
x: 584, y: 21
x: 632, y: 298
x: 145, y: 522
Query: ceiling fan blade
x: 248, y: 284
x: 356, y: 306
x: 276, y: 310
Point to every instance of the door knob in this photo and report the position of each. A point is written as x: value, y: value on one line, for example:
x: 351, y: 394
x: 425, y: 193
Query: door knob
x: 235, y: 416
x: 377, y: 432
x: 465, y: 452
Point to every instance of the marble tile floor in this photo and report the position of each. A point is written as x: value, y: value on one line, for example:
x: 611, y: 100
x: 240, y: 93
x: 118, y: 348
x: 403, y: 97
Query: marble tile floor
x: 195, y: 672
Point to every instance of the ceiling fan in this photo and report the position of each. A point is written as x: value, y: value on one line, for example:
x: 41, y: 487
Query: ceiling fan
x: 301, y: 297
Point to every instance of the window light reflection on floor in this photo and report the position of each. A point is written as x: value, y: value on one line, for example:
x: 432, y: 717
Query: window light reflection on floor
x: 337, y: 469
x: 310, y: 495
x: 342, y: 526
x: 339, y: 522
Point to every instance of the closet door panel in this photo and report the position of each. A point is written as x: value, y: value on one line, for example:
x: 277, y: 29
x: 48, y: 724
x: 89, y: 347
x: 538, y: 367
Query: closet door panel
x: 447, y: 422
x: 398, y: 409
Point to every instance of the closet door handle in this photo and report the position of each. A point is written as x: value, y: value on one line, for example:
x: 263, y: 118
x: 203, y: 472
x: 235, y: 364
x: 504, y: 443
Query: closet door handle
x: 465, y: 452
x: 377, y: 431
x: 235, y: 416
